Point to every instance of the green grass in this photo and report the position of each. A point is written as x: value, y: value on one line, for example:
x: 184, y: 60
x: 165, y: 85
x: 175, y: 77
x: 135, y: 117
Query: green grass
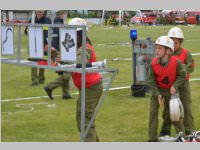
x: 122, y: 118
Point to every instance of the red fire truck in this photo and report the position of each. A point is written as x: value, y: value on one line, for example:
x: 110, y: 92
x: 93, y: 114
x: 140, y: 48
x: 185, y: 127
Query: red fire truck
x: 193, y: 17
x: 145, y: 18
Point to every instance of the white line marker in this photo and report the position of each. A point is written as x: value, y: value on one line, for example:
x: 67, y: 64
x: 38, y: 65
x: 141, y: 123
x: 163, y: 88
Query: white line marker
x: 29, y: 108
x: 130, y: 59
x: 195, y: 54
x: 196, y: 79
x: 38, y: 97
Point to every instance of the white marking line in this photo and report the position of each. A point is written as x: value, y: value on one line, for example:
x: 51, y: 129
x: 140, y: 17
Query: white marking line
x: 130, y: 59
x: 28, y: 106
x: 196, y: 79
x: 37, y: 97
x: 195, y: 54
x: 28, y: 98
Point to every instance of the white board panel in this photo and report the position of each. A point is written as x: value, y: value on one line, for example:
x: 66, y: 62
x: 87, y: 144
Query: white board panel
x: 68, y: 44
x: 36, y: 42
x: 7, y: 41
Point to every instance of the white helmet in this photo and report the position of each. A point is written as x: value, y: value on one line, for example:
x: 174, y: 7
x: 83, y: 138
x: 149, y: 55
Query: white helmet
x: 78, y: 21
x: 175, y: 108
x: 176, y: 32
x: 165, y: 41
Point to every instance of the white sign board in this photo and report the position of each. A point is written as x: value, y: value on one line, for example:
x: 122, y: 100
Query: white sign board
x: 68, y: 44
x: 7, y: 42
x: 35, y: 42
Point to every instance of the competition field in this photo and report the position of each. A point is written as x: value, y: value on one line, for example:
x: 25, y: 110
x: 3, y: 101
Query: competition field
x: 28, y: 115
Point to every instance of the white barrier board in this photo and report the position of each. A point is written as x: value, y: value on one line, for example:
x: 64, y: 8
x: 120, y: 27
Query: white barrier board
x: 68, y: 44
x: 36, y: 42
x: 7, y: 42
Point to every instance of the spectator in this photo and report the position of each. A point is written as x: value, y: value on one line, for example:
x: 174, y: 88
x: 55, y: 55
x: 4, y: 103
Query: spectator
x: 39, y: 19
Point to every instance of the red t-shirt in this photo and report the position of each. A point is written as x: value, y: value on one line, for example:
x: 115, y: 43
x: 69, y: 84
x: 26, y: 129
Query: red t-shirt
x: 91, y: 78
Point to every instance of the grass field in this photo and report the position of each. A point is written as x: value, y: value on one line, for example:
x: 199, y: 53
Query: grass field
x: 122, y: 118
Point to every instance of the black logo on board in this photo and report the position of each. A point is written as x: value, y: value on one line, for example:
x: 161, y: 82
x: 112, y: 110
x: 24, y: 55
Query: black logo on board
x: 68, y: 42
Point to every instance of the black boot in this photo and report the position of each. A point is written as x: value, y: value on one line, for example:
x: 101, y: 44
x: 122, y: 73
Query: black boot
x: 153, y: 140
x: 49, y: 92
x: 66, y: 97
x: 164, y: 133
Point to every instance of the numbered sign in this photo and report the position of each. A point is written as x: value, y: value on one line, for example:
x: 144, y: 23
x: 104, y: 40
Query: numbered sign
x: 7, y: 42
x: 68, y: 44
x: 35, y: 42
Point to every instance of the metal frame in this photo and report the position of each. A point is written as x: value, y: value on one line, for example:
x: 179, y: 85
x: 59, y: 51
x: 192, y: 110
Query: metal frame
x: 82, y: 70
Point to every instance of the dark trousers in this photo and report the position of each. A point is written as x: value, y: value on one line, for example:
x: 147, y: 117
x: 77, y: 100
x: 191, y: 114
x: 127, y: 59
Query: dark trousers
x: 92, y: 96
x: 35, y: 77
x: 62, y: 81
x: 153, y: 115
x: 188, y: 120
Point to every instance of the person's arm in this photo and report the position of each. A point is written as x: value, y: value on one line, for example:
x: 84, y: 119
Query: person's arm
x: 80, y: 53
x: 189, y: 63
x: 181, y: 75
x: 151, y: 82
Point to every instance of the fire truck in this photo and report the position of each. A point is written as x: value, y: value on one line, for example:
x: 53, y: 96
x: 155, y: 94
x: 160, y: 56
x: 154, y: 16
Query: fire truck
x: 174, y: 16
x: 193, y: 17
x: 180, y: 17
x: 145, y: 18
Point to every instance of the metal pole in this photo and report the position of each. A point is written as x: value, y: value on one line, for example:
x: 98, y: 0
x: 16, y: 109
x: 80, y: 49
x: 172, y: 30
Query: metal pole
x: 19, y: 45
x: 99, y: 104
x: 82, y: 137
x: 133, y: 63
x: 49, y: 46
x: 50, y: 32
x: 4, y: 17
x: 140, y: 13
x: 120, y: 17
x: 33, y: 17
x: 102, y: 18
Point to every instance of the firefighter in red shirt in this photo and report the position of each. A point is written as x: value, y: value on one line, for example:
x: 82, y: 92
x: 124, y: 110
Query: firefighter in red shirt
x: 93, y: 83
x: 176, y: 34
x: 165, y: 76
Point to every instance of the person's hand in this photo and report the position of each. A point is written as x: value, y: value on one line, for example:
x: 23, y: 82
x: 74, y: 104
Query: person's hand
x: 57, y: 60
x: 172, y: 90
x: 161, y: 100
x: 46, y: 48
